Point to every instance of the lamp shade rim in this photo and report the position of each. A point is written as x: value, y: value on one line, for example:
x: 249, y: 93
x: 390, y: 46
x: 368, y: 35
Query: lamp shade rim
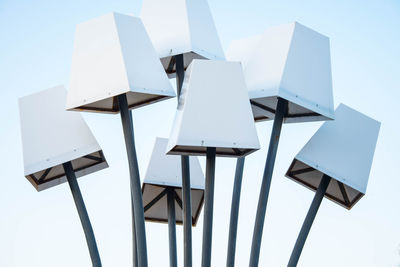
x: 341, y: 197
x: 101, y: 106
x: 177, y: 185
x: 55, y: 175
x: 190, y: 150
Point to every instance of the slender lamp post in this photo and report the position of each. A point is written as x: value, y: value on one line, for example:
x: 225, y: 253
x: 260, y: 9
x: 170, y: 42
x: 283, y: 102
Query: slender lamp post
x: 336, y: 163
x: 58, y: 147
x: 162, y: 192
x: 115, y: 68
x: 288, y: 74
x: 213, y: 119
x: 182, y: 30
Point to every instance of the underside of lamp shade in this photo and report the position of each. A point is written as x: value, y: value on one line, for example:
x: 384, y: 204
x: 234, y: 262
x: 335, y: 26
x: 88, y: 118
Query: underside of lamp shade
x: 213, y: 111
x: 288, y: 61
x: 158, y: 212
x: 343, y: 149
x: 113, y: 55
x: 52, y: 136
x: 164, y: 173
x: 181, y: 27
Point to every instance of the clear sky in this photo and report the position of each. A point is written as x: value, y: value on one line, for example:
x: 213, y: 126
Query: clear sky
x: 43, y: 229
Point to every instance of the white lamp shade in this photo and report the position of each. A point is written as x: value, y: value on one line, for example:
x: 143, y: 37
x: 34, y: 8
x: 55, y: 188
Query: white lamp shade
x: 342, y: 149
x: 113, y: 55
x: 181, y: 27
x: 288, y: 61
x: 164, y: 171
x: 241, y: 49
x: 52, y: 136
x: 213, y: 111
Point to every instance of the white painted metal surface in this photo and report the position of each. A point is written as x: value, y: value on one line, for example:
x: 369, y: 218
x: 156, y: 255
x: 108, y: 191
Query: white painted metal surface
x: 342, y: 149
x: 181, y: 27
x: 52, y: 136
x: 289, y: 61
x: 241, y: 49
x: 165, y: 171
x: 213, y: 111
x: 113, y: 55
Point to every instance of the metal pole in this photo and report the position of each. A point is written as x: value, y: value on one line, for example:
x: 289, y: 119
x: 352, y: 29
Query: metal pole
x: 281, y: 109
x: 208, y: 207
x: 136, y: 192
x: 230, y: 261
x: 186, y: 192
x: 172, y: 228
x: 134, y: 242
x: 180, y: 72
x: 312, y: 212
x: 83, y: 215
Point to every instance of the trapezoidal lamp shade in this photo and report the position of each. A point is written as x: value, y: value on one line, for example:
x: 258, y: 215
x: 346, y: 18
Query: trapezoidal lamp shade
x: 113, y: 55
x: 213, y: 111
x: 52, y: 136
x: 213, y: 118
x: 342, y: 149
x: 335, y: 163
x: 164, y: 172
x: 115, y: 68
x: 58, y: 147
x: 181, y: 27
x: 288, y: 74
x: 291, y: 62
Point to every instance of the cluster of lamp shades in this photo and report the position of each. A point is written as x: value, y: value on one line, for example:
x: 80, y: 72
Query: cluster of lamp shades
x: 121, y: 62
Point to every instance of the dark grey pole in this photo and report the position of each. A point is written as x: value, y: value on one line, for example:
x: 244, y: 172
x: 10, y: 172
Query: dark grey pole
x: 172, y: 228
x: 187, y: 212
x: 136, y: 192
x: 312, y: 212
x: 180, y: 73
x: 281, y: 109
x: 83, y: 215
x: 208, y: 207
x: 134, y: 242
x: 186, y: 193
x: 230, y: 261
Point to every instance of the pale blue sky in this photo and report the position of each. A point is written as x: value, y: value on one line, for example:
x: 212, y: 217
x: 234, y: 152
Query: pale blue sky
x: 43, y: 229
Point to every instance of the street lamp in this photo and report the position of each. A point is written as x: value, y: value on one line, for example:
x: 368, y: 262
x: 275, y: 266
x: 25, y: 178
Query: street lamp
x: 58, y: 147
x: 181, y: 31
x: 336, y: 163
x: 288, y: 73
x: 115, y: 68
x: 162, y: 192
x: 213, y: 118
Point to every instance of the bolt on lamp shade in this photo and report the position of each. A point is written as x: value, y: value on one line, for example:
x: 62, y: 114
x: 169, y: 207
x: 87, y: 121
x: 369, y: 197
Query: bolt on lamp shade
x: 113, y: 55
x: 164, y: 171
x: 52, y: 136
x: 181, y: 27
x: 342, y: 149
x: 288, y: 61
x: 213, y: 111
